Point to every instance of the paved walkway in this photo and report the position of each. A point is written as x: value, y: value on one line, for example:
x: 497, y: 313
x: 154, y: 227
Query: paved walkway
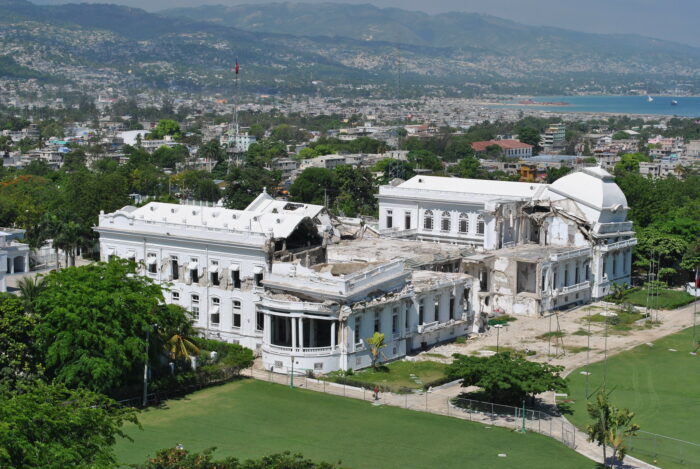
x: 438, y: 401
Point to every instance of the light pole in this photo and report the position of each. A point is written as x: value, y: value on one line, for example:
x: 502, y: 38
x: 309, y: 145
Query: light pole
x: 145, y: 365
x: 291, y: 376
x: 607, y: 314
x: 498, y: 335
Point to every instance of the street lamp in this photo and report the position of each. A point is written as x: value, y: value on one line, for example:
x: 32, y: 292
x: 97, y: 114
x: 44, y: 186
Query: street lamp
x: 498, y: 335
x: 145, y: 365
x: 607, y: 314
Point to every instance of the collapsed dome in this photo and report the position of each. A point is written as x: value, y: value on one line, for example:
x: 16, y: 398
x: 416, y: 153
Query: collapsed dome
x: 595, y: 192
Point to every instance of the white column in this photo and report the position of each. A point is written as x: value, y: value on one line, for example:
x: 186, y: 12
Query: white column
x: 301, y: 333
x: 267, y: 325
x: 12, y: 265
x: 26, y: 262
x: 332, y: 334
x: 293, y: 324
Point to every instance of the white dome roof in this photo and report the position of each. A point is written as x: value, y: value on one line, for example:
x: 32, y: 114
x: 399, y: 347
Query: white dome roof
x: 595, y: 191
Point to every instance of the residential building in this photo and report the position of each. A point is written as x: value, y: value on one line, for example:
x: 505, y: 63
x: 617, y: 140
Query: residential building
x: 554, y: 138
x: 510, y: 148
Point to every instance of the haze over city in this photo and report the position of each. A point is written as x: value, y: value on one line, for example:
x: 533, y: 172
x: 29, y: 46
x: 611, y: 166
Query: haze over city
x: 673, y: 20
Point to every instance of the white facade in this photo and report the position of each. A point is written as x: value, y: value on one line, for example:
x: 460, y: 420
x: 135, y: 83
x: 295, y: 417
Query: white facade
x: 321, y: 317
x: 261, y: 277
x: 213, y: 260
x: 14, y: 257
x: 579, y: 225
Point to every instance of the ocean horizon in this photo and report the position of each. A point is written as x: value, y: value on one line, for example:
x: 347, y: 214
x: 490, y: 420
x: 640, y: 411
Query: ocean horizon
x: 688, y: 106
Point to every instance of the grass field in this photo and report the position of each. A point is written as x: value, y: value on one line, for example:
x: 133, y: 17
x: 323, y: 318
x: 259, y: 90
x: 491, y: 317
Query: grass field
x: 666, y: 299
x: 253, y: 418
x: 397, y: 374
x: 661, y: 386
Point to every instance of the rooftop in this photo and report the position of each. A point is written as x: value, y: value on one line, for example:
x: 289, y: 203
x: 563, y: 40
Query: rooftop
x: 481, y: 187
x: 505, y: 144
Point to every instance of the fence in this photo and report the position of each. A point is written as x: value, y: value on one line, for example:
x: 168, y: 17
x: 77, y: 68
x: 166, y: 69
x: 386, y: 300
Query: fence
x: 664, y: 450
x: 438, y: 402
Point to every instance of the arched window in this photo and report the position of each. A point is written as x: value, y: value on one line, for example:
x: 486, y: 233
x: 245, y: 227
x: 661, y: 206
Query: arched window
x: 463, y: 223
x: 445, y: 222
x: 428, y: 220
x: 480, y: 225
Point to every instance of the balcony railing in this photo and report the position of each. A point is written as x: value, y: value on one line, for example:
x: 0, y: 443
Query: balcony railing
x: 619, y: 245
x: 575, y: 288
x: 427, y: 327
x: 301, y: 351
x: 396, y: 233
x: 560, y: 256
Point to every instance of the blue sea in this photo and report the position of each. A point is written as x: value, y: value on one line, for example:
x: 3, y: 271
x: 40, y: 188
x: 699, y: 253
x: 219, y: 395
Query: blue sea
x: 688, y: 106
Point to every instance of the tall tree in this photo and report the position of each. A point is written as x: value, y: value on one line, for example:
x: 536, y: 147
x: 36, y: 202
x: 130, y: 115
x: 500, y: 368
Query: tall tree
x: 53, y: 427
x: 505, y: 377
x: 20, y: 359
x: 93, y: 324
x: 611, y: 426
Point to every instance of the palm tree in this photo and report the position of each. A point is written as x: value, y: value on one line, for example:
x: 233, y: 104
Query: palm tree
x: 180, y: 348
x: 611, y: 426
x: 29, y: 290
x: 376, y: 344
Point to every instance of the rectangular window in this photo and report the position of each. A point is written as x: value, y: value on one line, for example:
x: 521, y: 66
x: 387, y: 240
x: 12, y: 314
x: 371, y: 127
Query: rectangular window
x: 566, y: 276
x: 259, y: 321
x: 175, y: 297
x: 174, y: 268
x: 215, y: 315
x: 480, y: 228
x: 463, y: 225
x: 358, y: 328
x: 421, y: 311
x: 194, y: 271
x: 445, y: 224
x: 214, y: 275
x: 395, y: 323
x: 377, y: 322
x: 195, y: 307
x: 389, y: 219
x: 407, y: 220
x: 405, y: 318
x: 236, y: 278
x: 258, y: 279
x: 236, y: 314
x: 453, y: 309
x: 152, y: 262
x: 437, y: 307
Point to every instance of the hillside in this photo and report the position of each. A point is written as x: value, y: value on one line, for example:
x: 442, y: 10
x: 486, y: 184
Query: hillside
x: 349, y: 49
x: 456, y: 30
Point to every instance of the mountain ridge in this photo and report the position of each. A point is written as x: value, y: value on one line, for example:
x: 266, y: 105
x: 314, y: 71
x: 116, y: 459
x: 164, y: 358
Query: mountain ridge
x: 137, y: 48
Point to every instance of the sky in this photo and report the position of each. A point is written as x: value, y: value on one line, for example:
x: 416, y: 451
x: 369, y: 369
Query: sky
x: 674, y: 20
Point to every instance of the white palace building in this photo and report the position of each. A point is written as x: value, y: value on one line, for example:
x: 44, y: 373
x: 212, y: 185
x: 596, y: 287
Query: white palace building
x: 537, y: 247
x: 286, y: 279
x: 262, y: 277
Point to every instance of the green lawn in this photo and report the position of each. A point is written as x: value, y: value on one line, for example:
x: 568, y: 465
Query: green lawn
x: 661, y: 386
x: 254, y: 418
x: 397, y: 375
x: 667, y: 299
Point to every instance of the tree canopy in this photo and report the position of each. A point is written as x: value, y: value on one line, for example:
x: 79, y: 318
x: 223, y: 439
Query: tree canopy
x: 506, y: 378
x: 93, y: 323
x: 52, y: 427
